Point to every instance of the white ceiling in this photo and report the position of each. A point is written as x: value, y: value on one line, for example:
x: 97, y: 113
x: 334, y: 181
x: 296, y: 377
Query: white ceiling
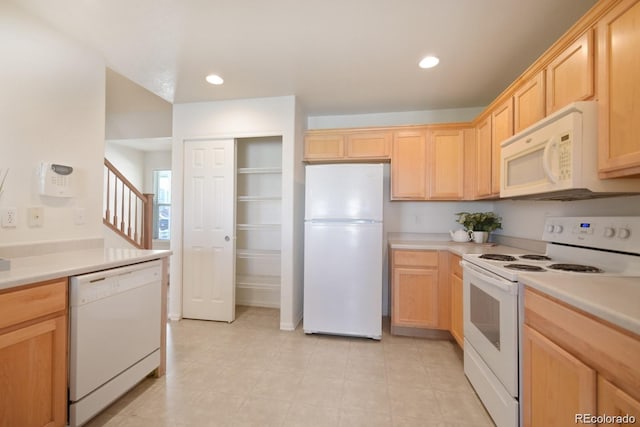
x: 336, y: 56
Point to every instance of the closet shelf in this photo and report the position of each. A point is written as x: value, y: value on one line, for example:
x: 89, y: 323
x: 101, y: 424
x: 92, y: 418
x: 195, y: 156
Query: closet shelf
x: 258, y: 170
x: 258, y: 281
x: 257, y: 226
x: 257, y: 253
x: 259, y: 198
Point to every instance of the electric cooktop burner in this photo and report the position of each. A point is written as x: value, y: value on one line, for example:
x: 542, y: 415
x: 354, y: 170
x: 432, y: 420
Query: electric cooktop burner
x: 498, y: 257
x: 524, y: 267
x: 535, y: 257
x: 579, y: 268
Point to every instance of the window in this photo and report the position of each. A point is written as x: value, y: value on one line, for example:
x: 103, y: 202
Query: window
x: 162, y: 205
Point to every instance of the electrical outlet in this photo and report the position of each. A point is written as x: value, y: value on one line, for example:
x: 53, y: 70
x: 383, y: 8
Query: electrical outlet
x: 10, y: 217
x: 36, y: 216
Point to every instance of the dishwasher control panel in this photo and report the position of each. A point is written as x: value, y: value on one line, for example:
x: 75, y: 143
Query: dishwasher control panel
x: 103, y: 284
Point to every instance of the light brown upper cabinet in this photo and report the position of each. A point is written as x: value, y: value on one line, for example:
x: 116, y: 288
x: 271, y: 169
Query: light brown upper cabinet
x: 333, y: 146
x: 369, y: 145
x: 429, y: 163
x: 528, y: 102
x: 409, y: 165
x: 570, y: 74
x: 323, y: 146
x: 445, y: 162
x: 619, y: 91
x: 501, y: 129
x: 484, y: 155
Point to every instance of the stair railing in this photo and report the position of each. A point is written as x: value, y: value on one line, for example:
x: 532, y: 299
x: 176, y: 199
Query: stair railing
x: 128, y: 211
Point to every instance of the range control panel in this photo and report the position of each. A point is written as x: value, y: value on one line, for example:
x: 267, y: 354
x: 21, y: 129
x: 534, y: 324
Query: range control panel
x: 618, y: 233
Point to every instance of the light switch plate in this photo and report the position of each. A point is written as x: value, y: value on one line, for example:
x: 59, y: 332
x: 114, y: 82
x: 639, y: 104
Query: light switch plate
x: 79, y: 216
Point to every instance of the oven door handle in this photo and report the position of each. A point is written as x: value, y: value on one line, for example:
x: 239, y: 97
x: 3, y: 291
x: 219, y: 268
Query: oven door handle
x: 504, y: 285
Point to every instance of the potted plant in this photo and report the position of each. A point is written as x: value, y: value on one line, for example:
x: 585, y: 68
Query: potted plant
x: 480, y: 223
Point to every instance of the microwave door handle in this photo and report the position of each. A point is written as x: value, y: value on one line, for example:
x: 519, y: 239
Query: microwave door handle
x: 546, y: 159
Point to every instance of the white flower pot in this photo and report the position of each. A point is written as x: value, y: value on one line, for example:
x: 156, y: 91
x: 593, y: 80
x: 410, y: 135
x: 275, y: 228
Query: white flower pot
x: 480, y: 236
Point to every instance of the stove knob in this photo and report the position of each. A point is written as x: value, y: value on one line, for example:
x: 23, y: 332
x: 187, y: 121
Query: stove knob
x: 558, y: 229
x: 609, y: 232
x: 624, y: 233
x: 550, y: 228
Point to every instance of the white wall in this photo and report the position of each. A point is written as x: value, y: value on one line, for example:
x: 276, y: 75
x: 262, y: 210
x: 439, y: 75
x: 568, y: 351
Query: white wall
x: 154, y: 161
x: 133, y: 111
x: 525, y: 218
x: 394, y: 119
x: 129, y: 161
x: 245, y: 118
x: 52, y: 108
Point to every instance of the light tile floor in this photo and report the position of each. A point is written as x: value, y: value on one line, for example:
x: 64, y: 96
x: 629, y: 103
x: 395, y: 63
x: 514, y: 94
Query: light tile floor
x: 249, y: 373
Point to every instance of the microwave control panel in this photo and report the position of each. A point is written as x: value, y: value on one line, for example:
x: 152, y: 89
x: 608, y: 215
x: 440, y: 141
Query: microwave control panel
x: 564, y: 157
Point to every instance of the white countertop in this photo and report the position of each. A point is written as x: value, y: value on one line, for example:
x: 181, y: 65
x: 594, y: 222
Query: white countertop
x: 25, y: 270
x: 614, y: 299
x: 443, y: 242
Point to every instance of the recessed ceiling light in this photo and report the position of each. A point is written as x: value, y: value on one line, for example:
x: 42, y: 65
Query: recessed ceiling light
x: 428, y: 62
x: 215, y: 79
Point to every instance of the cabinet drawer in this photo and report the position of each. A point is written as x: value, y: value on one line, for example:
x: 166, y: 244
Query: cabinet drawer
x: 415, y: 258
x: 26, y: 304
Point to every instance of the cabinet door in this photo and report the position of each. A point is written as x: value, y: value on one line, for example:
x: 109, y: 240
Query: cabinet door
x: 557, y: 386
x: 619, y: 91
x: 456, y: 310
x: 323, y: 146
x: 415, y: 297
x: 615, y: 402
x: 33, y: 374
x: 501, y: 129
x: 409, y: 165
x: 570, y: 74
x: 529, y: 103
x: 484, y: 154
x: 446, y: 164
x: 369, y: 145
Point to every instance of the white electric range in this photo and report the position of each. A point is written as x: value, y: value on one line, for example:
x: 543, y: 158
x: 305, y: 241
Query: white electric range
x: 578, y: 246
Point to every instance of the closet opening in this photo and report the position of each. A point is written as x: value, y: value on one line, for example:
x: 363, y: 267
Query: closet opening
x: 258, y: 225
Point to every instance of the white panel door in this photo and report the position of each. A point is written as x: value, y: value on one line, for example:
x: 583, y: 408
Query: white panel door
x: 208, y: 282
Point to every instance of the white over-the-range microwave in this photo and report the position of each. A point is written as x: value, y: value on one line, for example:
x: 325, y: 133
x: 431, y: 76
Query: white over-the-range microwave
x: 557, y: 159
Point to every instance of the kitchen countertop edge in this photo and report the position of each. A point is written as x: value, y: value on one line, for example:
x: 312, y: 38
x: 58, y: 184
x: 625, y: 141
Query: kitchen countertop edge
x: 612, y: 299
x: 40, y: 268
x: 415, y: 241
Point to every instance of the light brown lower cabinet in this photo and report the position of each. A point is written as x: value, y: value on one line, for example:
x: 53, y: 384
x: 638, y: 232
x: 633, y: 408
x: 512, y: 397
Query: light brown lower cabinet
x: 33, y: 355
x: 576, y: 366
x: 455, y: 284
x: 557, y: 385
x: 420, y: 297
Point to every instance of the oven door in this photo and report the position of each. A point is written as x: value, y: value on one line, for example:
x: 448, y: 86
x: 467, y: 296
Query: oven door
x: 490, y: 307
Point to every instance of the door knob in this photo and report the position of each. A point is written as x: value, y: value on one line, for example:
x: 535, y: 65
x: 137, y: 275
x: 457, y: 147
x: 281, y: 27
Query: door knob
x: 227, y: 238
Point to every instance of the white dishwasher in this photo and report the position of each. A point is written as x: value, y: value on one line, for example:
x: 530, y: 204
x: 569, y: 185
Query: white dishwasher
x: 114, y: 335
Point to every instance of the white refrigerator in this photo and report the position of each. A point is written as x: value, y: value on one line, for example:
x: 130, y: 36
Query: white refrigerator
x: 343, y: 250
